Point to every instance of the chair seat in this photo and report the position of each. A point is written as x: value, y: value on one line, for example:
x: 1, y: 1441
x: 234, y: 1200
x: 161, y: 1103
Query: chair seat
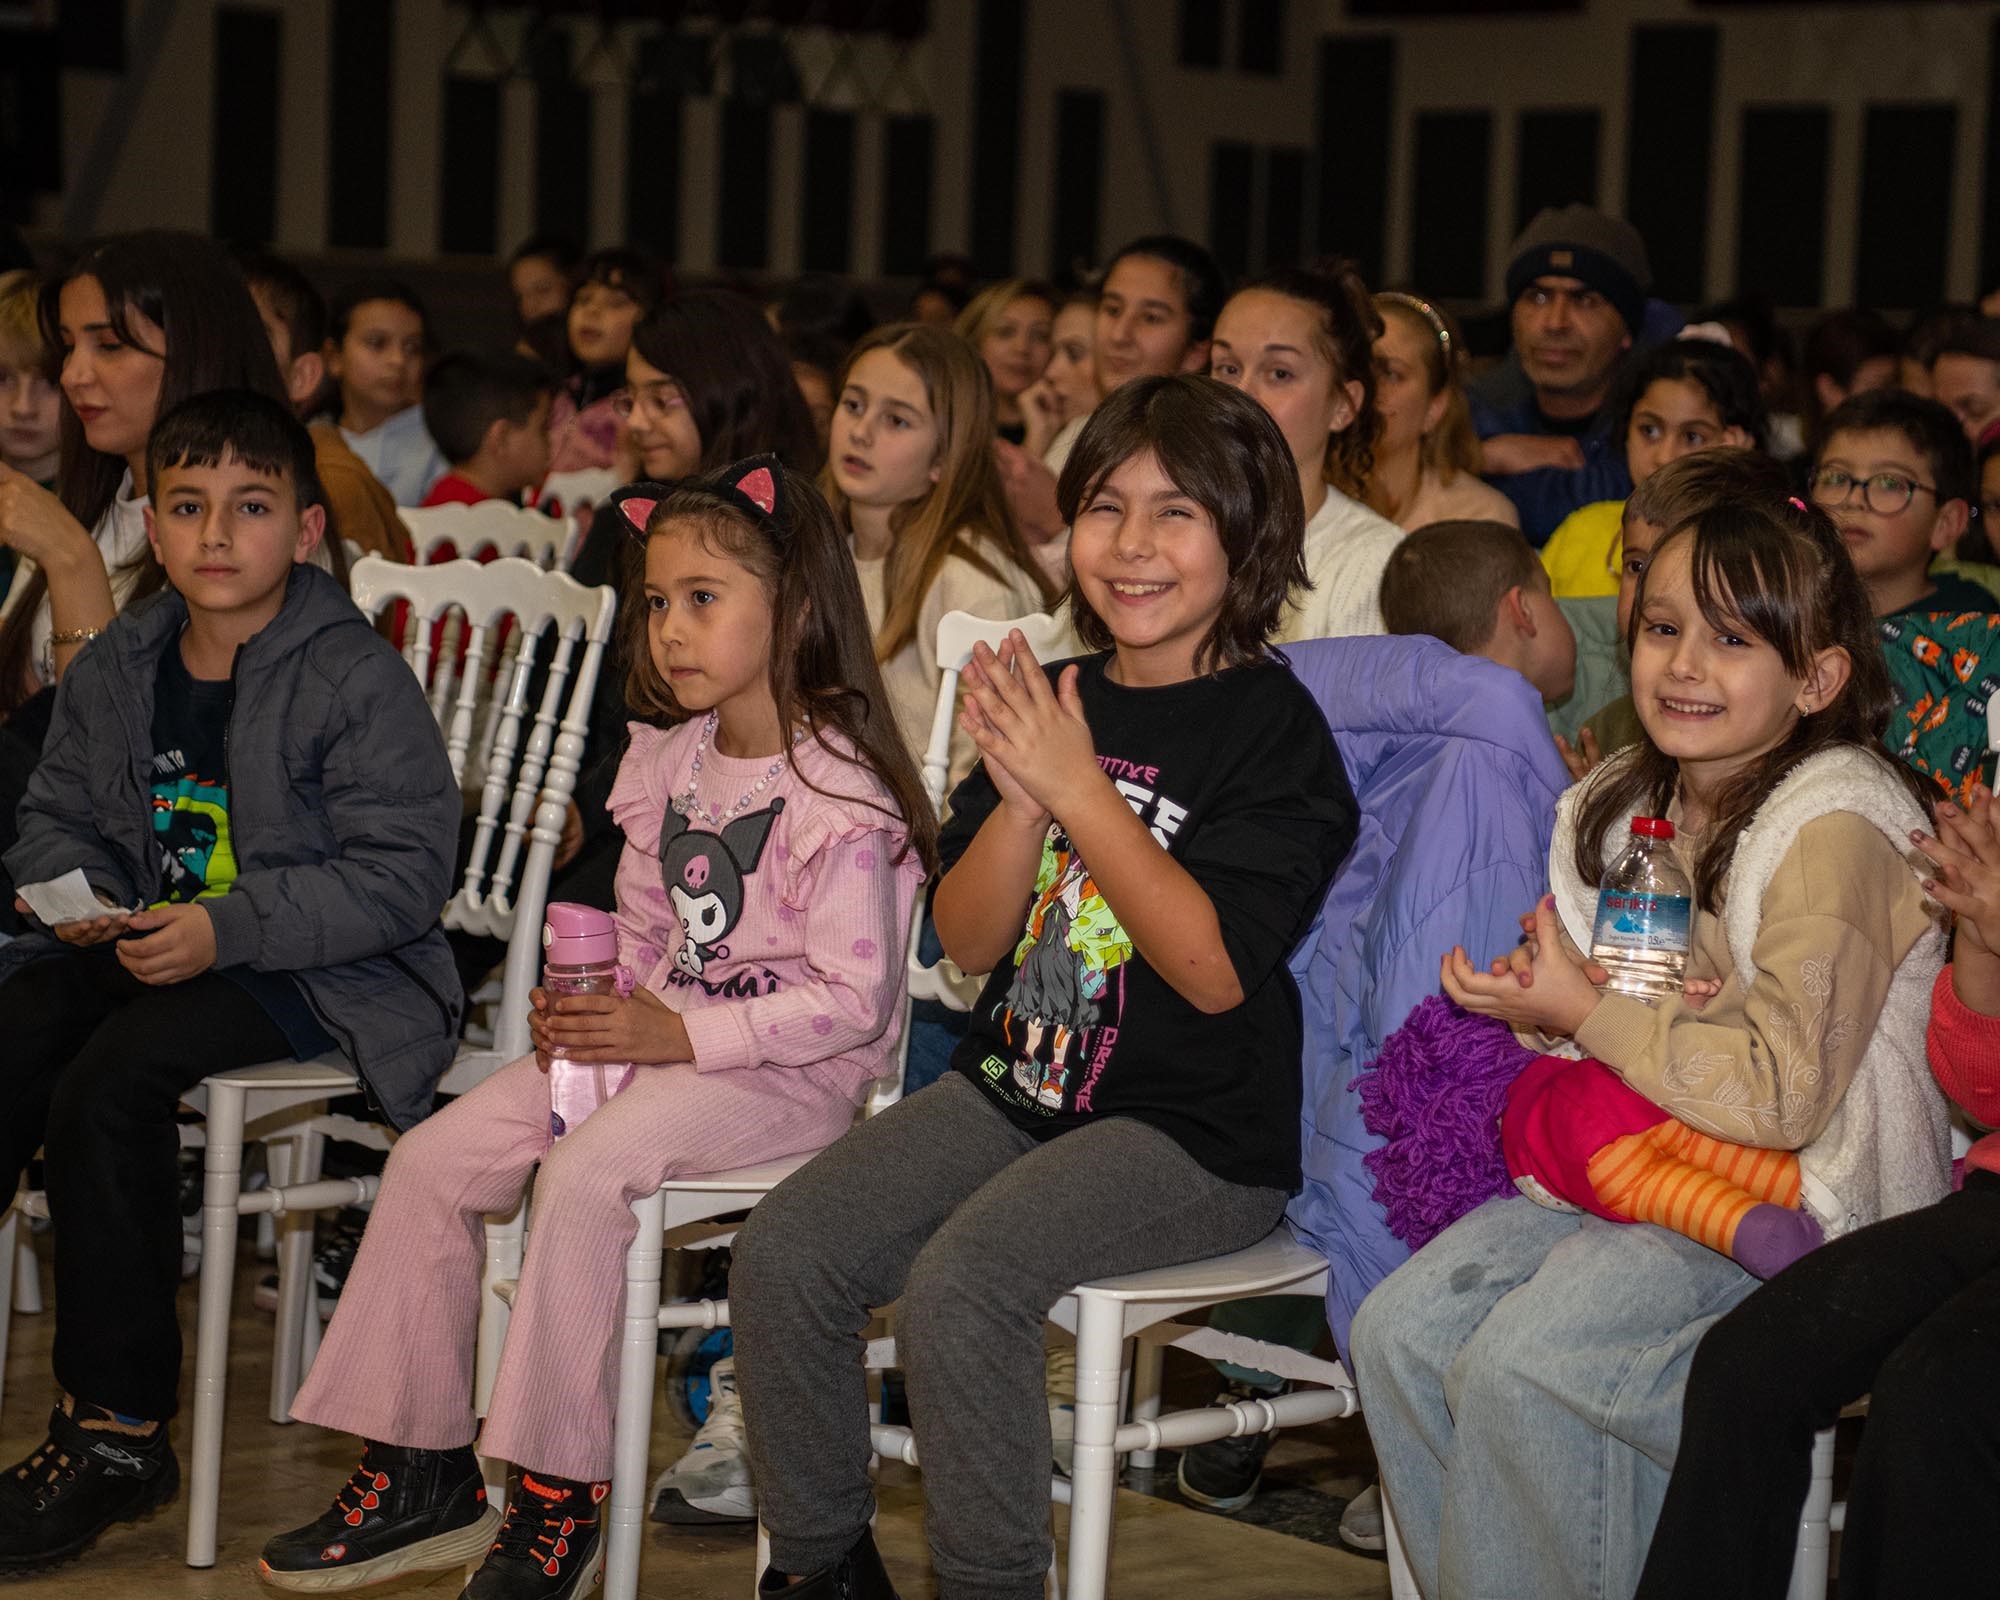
x: 1274, y: 1262
x: 329, y: 1073
x: 765, y: 1175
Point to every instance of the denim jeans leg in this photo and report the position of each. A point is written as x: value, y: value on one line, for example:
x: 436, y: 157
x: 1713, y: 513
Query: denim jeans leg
x: 1409, y: 1332
x: 1566, y: 1407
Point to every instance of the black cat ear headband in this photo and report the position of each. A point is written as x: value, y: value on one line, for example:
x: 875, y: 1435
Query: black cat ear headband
x: 754, y: 488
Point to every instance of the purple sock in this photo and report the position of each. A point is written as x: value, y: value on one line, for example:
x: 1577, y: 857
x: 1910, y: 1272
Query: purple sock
x: 1770, y: 1238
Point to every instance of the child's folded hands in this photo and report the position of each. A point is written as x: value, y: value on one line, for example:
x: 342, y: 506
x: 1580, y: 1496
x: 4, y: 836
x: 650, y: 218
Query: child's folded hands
x: 1034, y: 731
x: 1539, y: 985
x: 1966, y: 853
x: 605, y: 1027
x: 168, y: 944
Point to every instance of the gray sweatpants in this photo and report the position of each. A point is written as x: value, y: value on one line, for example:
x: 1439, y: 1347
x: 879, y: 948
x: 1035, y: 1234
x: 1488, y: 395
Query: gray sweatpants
x: 978, y: 1228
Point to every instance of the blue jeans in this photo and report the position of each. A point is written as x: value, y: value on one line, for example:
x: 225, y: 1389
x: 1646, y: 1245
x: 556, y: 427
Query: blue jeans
x: 1522, y: 1376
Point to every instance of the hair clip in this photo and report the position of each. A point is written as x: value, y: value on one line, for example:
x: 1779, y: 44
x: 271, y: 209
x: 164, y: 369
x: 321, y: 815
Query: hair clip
x: 753, y: 488
x: 1795, y: 500
x: 1427, y: 311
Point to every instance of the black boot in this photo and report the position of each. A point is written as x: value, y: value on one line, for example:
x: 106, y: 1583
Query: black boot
x: 78, y: 1482
x: 550, y: 1546
x: 858, y: 1575
x: 401, y: 1510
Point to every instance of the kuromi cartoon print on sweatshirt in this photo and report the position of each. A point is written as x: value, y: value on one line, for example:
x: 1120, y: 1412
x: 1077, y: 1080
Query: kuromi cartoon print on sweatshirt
x: 703, y: 873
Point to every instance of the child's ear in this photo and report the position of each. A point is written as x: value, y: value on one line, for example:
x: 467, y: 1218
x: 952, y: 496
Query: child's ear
x: 494, y: 440
x: 1736, y: 438
x: 152, y: 536
x: 312, y: 529
x: 1824, y: 680
x: 1830, y: 393
x: 304, y: 380
x: 1949, y: 528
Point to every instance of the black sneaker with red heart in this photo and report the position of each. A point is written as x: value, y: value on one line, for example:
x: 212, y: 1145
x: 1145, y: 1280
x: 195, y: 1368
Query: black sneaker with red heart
x: 401, y: 1510
x: 549, y: 1548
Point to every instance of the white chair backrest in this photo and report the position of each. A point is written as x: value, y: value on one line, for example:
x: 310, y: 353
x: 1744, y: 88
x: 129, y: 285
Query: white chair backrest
x: 490, y: 525
x: 957, y: 633
x: 527, y: 775
x: 576, y: 494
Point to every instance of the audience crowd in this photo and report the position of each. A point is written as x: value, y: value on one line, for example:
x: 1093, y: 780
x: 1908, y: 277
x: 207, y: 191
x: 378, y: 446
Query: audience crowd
x: 1285, y: 877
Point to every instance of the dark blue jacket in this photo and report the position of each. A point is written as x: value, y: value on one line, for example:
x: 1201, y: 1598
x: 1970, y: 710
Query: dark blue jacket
x: 342, y: 809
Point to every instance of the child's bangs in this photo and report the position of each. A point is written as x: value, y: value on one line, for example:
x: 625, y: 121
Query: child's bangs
x: 1734, y: 556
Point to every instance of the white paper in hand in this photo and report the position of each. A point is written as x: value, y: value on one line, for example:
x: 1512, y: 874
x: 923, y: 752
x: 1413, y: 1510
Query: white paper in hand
x: 69, y: 898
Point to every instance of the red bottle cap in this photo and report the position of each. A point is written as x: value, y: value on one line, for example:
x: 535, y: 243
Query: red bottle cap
x: 1653, y: 827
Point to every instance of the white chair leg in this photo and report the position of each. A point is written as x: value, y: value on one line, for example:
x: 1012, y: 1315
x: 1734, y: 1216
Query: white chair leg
x: 27, y: 1272
x: 10, y: 1228
x: 297, y: 1304
x: 632, y: 1428
x: 505, y: 1237
x: 1814, y: 1558
x: 1402, y: 1581
x: 222, y: 1177
x: 1146, y: 1363
x: 1093, y: 1475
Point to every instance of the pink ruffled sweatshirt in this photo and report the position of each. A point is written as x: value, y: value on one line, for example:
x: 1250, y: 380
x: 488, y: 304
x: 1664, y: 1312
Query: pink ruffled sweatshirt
x: 1965, y: 1058
x: 774, y: 924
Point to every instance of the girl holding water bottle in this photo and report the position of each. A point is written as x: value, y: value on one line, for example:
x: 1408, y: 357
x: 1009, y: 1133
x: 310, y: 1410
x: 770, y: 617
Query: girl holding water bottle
x: 1523, y: 1371
x: 776, y: 833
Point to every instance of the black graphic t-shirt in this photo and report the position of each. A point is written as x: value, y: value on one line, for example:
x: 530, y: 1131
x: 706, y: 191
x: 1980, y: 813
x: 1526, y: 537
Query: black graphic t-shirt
x: 1237, y: 776
x: 191, y: 783
x: 191, y: 825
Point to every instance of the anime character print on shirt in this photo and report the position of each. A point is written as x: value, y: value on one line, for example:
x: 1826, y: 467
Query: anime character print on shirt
x: 703, y: 873
x: 191, y: 827
x: 1062, y: 1010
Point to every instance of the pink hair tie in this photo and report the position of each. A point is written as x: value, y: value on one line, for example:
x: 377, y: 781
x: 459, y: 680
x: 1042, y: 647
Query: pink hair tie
x: 1795, y: 500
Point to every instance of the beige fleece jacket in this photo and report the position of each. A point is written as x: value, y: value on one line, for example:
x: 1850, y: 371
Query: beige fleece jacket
x: 1768, y: 1062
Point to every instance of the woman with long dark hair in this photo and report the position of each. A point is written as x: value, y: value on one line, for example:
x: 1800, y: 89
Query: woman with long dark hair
x: 143, y: 320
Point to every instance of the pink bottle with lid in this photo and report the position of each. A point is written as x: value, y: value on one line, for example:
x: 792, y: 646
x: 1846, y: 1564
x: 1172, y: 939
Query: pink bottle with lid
x: 580, y: 956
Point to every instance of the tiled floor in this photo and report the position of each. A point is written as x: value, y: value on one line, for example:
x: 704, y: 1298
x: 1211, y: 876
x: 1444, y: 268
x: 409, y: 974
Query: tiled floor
x: 276, y: 1477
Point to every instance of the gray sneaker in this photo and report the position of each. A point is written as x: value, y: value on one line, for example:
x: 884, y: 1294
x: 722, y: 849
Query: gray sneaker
x: 711, y: 1482
x: 1361, y: 1523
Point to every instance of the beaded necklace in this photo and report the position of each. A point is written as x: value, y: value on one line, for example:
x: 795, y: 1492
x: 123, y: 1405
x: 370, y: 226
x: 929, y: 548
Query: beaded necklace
x: 685, y: 802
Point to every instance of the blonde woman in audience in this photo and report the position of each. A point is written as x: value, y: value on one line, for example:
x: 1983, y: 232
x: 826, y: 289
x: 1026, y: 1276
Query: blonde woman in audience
x: 1427, y: 456
x: 1061, y: 402
x: 911, y: 479
x: 1008, y: 324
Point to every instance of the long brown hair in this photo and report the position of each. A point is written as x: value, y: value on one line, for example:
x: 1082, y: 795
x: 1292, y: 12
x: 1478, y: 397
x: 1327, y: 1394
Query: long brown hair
x: 966, y: 513
x: 191, y: 288
x: 823, y: 672
x: 1776, y: 569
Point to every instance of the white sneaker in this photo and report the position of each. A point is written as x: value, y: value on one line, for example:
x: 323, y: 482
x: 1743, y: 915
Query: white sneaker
x: 711, y: 1482
x: 1361, y: 1523
x: 1059, y: 1379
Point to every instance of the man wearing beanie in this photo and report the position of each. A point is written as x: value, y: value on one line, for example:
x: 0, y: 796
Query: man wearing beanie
x: 1577, y: 281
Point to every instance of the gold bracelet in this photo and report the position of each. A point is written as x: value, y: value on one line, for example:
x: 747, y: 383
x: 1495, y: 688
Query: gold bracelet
x: 74, y: 635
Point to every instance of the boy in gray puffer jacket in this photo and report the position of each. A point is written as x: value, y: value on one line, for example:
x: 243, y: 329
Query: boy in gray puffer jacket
x: 246, y: 761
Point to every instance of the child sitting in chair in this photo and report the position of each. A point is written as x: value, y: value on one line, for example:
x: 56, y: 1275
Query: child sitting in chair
x: 250, y: 781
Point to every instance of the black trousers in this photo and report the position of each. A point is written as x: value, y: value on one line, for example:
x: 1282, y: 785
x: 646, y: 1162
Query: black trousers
x: 92, y: 1066
x: 1906, y: 1312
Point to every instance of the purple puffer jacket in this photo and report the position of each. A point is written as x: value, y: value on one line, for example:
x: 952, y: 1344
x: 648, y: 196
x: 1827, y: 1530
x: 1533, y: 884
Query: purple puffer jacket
x: 1451, y: 759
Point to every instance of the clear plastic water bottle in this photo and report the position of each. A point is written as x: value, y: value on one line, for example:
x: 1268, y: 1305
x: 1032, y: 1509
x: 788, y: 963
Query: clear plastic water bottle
x: 580, y: 956
x: 1644, y: 909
